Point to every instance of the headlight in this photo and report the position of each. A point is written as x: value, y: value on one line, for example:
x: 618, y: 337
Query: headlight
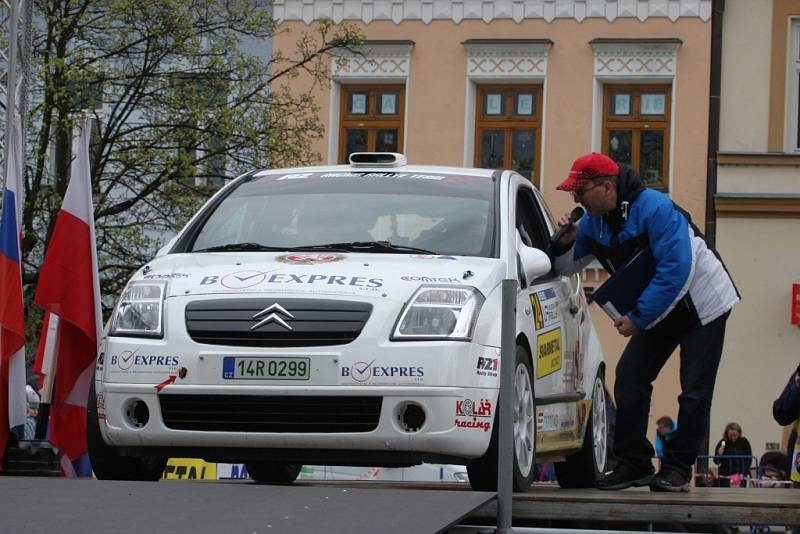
x: 440, y: 312
x: 139, y: 310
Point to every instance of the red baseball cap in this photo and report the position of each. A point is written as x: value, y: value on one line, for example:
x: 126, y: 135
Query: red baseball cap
x: 586, y: 168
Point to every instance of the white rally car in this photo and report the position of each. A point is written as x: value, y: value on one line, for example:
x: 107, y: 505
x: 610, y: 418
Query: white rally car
x: 350, y: 315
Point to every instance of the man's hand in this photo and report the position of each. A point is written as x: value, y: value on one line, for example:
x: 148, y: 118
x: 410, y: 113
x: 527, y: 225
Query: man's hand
x: 569, y: 236
x: 625, y: 326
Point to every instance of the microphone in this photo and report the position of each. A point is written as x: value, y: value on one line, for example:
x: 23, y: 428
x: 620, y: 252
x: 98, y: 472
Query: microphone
x: 574, y: 216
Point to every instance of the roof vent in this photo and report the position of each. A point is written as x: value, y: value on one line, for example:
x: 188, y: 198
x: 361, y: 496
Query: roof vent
x: 377, y: 159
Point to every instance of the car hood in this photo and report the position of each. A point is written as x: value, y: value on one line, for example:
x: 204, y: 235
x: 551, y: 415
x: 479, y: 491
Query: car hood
x: 395, y: 276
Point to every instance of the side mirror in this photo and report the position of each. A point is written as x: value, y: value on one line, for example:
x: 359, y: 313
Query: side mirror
x: 163, y: 250
x: 535, y: 262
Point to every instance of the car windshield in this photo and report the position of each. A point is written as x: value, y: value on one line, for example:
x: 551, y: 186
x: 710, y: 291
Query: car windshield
x: 400, y: 212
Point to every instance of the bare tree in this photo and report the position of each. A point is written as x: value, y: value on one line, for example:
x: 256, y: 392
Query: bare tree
x: 184, y: 94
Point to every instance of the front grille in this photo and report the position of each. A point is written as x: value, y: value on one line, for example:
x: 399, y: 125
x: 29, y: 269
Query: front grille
x: 311, y: 322
x: 284, y: 414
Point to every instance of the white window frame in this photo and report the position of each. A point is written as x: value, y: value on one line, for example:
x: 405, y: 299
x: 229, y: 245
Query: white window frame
x: 792, y: 142
x: 383, y: 62
x: 618, y: 62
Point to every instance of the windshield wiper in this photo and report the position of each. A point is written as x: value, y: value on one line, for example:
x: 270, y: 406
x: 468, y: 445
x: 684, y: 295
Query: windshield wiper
x: 370, y: 246
x: 250, y: 247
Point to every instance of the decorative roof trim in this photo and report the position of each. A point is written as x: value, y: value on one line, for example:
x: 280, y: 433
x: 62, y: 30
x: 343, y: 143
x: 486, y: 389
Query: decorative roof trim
x: 635, y: 58
x: 398, y: 11
x: 507, y: 58
x: 379, y: 59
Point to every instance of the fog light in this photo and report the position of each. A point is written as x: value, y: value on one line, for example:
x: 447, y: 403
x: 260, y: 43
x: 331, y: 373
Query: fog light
x: 136, y: 413
x: 411, y: 417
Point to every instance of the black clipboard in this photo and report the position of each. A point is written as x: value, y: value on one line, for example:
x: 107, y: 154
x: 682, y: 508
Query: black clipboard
x: 618, y: 295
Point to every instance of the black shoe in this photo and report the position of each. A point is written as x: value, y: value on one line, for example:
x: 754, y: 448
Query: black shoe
x: 670, y: 481
x: 626, y: 475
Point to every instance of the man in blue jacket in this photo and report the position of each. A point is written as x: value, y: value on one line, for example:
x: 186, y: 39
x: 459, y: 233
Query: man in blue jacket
x: 686, y: 304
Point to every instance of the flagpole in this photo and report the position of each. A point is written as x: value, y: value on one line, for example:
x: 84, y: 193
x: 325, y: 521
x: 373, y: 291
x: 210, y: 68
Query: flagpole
x: 49, y: 371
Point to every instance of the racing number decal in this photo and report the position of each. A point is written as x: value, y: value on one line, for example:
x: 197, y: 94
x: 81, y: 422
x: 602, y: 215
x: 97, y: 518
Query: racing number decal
x: 548, y: 352
x: 545, y: 308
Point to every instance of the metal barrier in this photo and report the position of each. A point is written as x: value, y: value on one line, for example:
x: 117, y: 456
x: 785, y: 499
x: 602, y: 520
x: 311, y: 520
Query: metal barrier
x: 756, y: 476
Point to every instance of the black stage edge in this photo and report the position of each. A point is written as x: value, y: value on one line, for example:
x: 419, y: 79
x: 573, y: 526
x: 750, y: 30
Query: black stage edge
x: 31, y: 457
x: 83, y: 506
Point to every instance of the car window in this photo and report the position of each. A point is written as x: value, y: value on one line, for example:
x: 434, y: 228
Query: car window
x: 445, y: 214
x: 530, y: 222
x: 550, y: 221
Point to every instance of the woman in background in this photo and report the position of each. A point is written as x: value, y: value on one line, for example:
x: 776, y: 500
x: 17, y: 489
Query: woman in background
x: 734, y: 456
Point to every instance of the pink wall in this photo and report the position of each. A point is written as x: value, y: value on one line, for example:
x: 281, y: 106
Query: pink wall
x: 437, y: 91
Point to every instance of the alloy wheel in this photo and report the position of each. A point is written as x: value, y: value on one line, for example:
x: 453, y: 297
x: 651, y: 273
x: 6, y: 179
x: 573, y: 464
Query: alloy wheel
x: 599, y: 425
x: 523, y: 419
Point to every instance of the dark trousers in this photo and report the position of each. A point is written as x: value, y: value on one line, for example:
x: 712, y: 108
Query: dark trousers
x: 642, y: 360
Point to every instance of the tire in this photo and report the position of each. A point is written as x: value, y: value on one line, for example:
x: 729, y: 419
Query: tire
x: 107, y: 463
x: 483, y: 471
x: 584, y: 468
x: 273, y: 472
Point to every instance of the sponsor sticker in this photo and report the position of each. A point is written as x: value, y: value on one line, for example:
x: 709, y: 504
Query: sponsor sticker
x: 546, y: 422
x: 471, y: 414
x: 165, y: 276
x: 190, y: 469
x: 132, y: 361
x: 309, y: 259
x: 434, y: 279
x: 449, y: 178
x: 488, y: 366
x: 545, y: 308
x: 249, y: 279
x: 372, y: 373
x: 548, y: 352
x: 432, y: 257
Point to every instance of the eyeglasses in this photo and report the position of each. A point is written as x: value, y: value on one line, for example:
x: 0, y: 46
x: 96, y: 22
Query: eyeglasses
x: 577, y: 195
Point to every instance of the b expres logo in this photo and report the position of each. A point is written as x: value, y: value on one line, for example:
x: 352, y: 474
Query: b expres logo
x: 367, y: 371
x: 248, y: 279
x: 128, y: 359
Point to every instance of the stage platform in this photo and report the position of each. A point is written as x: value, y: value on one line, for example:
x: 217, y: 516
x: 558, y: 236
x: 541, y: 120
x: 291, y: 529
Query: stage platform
x: 176, y: 506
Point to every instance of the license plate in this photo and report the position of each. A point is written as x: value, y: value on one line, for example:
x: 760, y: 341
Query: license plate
x: 238, y: 368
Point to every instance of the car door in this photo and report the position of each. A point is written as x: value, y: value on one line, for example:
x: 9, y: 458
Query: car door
x: 550, y: 310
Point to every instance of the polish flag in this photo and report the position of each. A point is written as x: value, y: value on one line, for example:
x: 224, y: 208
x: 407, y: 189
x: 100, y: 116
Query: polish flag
x: 12, y: 318
x: 69, y: 288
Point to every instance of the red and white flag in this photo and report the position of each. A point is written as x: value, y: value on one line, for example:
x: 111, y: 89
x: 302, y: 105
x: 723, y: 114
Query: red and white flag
x: 69, y: 288
x: 12, y: 318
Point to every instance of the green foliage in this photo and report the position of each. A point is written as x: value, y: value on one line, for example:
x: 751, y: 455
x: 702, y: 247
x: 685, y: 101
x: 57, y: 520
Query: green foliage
x: 184, y: 98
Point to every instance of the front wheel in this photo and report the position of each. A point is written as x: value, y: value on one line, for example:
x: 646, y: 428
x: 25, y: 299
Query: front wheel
x: 273, y: 472
x: 584, y: 468
x: 483, y: 471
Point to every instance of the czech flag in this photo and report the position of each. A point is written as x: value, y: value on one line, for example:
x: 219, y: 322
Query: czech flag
x: 69, y: 287
x: 12, y: 318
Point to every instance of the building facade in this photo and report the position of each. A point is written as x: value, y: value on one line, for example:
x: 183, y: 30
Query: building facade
x: 758, y: 210
x: 529, y: 85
